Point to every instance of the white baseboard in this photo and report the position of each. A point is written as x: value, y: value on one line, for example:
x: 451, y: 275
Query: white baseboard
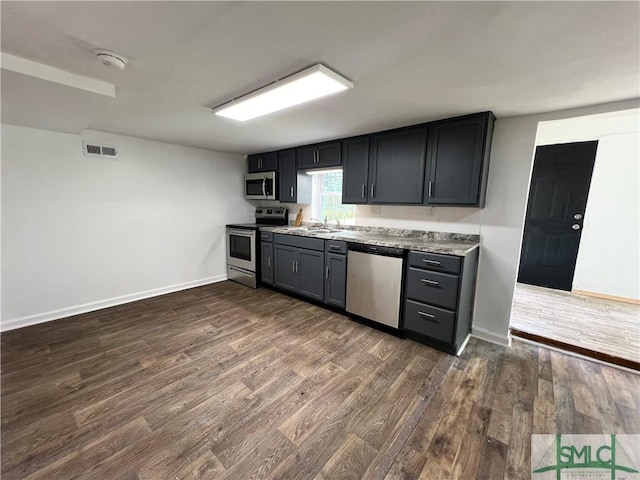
x: 486, y: 335
x: 99, y: 305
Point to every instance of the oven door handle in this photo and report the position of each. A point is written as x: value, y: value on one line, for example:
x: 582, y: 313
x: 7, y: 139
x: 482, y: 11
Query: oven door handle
x: 241, y: 233
x: 264, y: 187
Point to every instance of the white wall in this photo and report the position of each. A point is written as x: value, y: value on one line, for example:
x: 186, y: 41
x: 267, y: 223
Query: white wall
x: 80, y: 233
x: 608, y: 259
x: 609, y: 255
x: 443, y: 219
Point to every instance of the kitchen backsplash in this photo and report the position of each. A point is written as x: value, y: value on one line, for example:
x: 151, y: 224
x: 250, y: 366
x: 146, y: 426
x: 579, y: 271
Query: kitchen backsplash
x: 437, y: 219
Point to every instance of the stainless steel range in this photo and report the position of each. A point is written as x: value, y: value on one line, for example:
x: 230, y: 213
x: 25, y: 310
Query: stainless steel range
x: 243, y: 249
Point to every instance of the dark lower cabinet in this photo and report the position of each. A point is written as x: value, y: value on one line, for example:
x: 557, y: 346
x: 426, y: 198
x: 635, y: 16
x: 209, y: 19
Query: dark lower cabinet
x: 285, y: 261
x: 310, y: 269
x: 299, y: 265
x: 458, y: 160
x: 438, y: 303
x: 335, y: 280
x: 266, y: 263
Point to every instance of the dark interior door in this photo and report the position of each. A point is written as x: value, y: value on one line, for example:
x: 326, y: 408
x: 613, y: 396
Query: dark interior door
x: 555, y: 213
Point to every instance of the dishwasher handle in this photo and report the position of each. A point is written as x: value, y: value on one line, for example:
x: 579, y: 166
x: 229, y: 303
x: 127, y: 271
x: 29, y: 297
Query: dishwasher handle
x: 375, y: 249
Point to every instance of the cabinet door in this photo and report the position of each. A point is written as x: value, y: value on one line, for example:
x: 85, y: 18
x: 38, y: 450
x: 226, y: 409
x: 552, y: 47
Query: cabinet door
x: 254, y: 162
x: 319, y: 156
x: 287, y: 175
x: 335, y: 286
x: 266, y: 262
x: 285, y: 265
x: 396, y: 173
x: 307, y: 157
x: 311, y: 273
x: 263, y: 162
x: 329, y: 155
x: 355, y: 170
x: 455, y: 161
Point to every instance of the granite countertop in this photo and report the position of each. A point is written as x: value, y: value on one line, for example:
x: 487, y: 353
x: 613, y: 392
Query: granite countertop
x: 417, y: 240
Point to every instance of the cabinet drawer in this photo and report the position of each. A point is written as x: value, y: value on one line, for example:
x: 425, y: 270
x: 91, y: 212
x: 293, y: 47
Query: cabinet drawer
x: 428, y: 320
x: 300, y: 242
x: 335, y: 246
x: 439, y: 289
x: 266, y: 236
x: 434, y: 261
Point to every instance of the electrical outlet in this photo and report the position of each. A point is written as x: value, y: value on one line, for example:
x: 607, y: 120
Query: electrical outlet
x: 375, y: 209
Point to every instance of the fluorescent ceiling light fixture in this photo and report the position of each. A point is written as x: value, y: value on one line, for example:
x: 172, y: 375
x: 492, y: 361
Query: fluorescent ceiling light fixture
x: 319, y: 171
x: 309, y: 84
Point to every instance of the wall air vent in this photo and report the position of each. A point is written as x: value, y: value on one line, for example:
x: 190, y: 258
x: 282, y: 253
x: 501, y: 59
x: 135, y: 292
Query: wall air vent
x: 93, y: 149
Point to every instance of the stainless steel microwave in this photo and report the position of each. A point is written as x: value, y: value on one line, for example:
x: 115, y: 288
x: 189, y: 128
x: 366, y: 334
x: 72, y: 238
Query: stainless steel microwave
x: 260, y: 186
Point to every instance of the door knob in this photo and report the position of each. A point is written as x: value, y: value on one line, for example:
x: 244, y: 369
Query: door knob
x: 578, y: 216
x: 575, y: 226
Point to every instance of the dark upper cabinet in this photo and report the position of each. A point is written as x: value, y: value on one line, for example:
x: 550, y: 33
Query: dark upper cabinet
x: 310, y: 271
x: 355, y: 170
x: 458, y: 161
x: 263, y: 162
x: 266, y: 263
x: 320, y: 155
x: 335, y: 286
x: 443, y: 163
x: 397, y: 165
x: 294, y: 187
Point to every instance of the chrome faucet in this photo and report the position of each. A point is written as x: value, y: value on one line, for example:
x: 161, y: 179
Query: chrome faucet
x: 320, y: 223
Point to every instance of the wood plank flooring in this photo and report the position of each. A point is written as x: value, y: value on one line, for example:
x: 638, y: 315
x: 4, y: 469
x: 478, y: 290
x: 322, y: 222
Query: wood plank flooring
x: 595, y: 324
x: 223, y: 382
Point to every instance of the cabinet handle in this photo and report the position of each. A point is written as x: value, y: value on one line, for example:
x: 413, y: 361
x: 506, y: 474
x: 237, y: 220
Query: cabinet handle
x: 326, y: 276
x: 293, y: 266
x: 291, y: 192
x: 334, y: 247
x: 364, y: 187
x: 269, y: 262
x: 430, y: 282
x: 297, y: 267
x: 430, y: 188
x: 373, y: 190
x: 426, y: 315
x: 431, y: 262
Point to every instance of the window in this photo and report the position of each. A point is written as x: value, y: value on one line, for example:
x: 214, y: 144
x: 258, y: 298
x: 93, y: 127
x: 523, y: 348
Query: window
x: 326, y: 200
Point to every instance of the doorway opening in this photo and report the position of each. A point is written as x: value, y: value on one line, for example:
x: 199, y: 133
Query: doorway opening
x: 579, y: 276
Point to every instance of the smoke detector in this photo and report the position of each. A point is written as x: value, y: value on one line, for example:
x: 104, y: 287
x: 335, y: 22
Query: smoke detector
x: 111, y: 59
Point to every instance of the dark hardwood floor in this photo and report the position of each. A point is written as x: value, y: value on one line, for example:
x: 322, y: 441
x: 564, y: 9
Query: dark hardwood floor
x: 223, y: 382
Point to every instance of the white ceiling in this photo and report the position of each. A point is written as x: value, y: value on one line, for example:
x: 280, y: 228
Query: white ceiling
x: 410, y: 61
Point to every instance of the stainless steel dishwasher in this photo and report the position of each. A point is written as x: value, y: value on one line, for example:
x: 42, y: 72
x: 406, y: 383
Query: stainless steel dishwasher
x: 374, y: 282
